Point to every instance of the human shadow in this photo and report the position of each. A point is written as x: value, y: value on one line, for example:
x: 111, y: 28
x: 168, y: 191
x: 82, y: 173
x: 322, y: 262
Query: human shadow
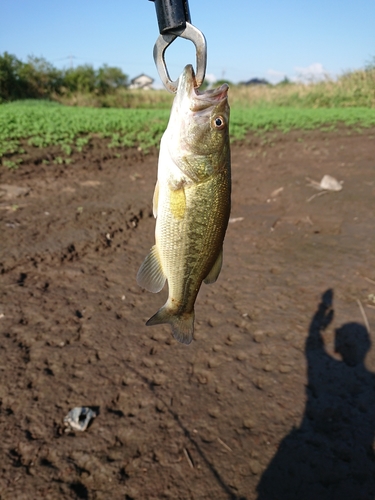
x: 330, y: 455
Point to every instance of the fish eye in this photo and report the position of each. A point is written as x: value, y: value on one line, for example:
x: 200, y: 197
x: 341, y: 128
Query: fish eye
x: 219, y: 122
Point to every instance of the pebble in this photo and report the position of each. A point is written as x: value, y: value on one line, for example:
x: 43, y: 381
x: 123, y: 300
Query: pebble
x: 265, y: 351
x: 258, y: 336
x: 248, y: 423
x: 268, y: 367
x: 160, y: 406
x: 207, y: 435
x: 259, y: 383
x: 213, y: 322
x: 241, y: 356
x: 159, y: 336
x: 244, y: 325
x: 255, y: 467
x: 159, y: 379
x: 203, y: 377
x: 214, y: 412
x: 231, y: 339
x: 213, y: 363
x: 285, y: 369
x: 149, y: 363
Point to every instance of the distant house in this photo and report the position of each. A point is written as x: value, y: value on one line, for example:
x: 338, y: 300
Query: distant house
x: 141, y: 82
x: 256, y: 81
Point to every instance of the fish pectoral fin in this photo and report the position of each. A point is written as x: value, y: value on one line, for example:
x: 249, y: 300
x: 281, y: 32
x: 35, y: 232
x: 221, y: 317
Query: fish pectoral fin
x: 182, y: 324
x: 213, y: 275
x: 151, y: 275
x: 177, y: 202
x: 155, y: 200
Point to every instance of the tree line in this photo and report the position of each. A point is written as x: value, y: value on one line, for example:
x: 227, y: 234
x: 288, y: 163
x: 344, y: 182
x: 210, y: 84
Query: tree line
x: 37, y: 78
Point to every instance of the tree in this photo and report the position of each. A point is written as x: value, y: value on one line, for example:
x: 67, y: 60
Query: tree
x: 81, y: 79
x: 11, y: 85
x: 110, y: 78
x: 41, y: 76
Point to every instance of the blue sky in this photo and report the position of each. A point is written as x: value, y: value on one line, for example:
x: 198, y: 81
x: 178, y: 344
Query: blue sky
x: 245, y: 38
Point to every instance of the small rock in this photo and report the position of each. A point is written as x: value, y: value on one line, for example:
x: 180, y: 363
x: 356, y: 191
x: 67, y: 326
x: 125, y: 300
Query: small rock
x: 148, y: 362
x: 241, y: 356
x: 214, y: 412
x: 159, y: 379
x: 160, y: 406
x: 255, y: 467
x: 258, y: 336
x: 207, y: 435
x: 259, y: 383
x: 213, y: 322
x: 159, y: 336
x: 248, y: 423
x: 265, y: 351
x: 213, y: 363
x: 285, y: 369
x: 203, y: 377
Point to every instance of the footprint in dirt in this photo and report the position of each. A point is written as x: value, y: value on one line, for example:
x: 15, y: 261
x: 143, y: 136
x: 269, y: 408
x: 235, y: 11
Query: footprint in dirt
x: 330, y: 456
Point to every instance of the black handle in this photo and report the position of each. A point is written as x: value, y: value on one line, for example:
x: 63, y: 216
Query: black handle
x: 172, y: 16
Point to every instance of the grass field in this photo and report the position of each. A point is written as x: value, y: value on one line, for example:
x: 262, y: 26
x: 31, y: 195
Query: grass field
x: 43, y: 123
x: 354, y: 89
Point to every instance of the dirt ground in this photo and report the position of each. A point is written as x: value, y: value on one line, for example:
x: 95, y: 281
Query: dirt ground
x: 275, y: 397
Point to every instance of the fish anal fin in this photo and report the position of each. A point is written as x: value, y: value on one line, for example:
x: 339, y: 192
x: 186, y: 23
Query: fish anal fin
x: 213, y: 275
x: 155, y: 200
x: 182, y: 324
x: 150, y: 275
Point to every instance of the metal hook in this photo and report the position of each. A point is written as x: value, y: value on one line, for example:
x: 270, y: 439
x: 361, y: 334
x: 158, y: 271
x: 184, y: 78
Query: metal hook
x: 162, y: 43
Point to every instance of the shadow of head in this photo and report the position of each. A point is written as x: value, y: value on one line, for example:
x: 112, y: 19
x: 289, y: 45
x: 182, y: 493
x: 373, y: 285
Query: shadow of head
x: 352, y: 342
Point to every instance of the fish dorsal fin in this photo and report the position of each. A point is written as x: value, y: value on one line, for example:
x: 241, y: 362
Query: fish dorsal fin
x: 213, y: 275
x: 155, y: 200
x: 151, y: 275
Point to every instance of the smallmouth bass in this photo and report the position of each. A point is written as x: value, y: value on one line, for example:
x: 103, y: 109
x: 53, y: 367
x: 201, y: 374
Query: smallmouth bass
x: 191, y: 203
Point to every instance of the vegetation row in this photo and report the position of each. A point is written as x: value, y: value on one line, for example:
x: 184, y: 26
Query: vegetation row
x: 108, y: 87
x: 42, y: 123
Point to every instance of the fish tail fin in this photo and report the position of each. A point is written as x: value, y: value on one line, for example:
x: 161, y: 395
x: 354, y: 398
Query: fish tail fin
x: 182, y: 324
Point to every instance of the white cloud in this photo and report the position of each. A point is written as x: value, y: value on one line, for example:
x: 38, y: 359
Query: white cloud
x: 274, y: 76
x: 312, y: 73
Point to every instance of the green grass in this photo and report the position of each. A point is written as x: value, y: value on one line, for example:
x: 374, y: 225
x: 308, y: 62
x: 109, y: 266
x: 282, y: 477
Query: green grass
x: 355, y: 89
x: 42, y: 123
x: 285, y: 119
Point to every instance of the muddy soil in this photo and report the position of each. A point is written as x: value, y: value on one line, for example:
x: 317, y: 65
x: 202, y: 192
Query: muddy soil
x: 275, y: 397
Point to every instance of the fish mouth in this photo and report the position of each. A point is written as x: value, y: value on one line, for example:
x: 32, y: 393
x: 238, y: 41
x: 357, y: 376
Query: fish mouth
x: 198, y: 100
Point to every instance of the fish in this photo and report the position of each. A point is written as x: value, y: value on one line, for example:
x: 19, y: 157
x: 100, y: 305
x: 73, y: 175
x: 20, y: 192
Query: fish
x: 191, y: 203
